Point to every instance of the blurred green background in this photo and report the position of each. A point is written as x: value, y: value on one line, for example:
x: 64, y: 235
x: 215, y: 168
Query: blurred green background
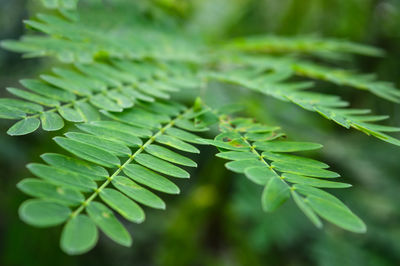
x: 217, y: 220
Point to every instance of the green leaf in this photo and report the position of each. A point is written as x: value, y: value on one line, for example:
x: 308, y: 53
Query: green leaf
x: 115, y: 148
x: 92, y: 71
x: 105, y: 103
x: 79, y: 235
x: 189, y: 126
x: 161, y: 166
x: 149, y: 178
x: 134, y: 94
x: 301, y: 169
x: 337, y: 214
x: 263, y: 136
x: 114, y: 135
x: 169, y: 108
x: 23, y: 127
x: 316, y: 192
x: 104, y: 218
x: 306, y: 209
x: 76, y: 77
x: 51, y: 121
x: 137, y: 192
x: 314, y: 182
x: 232, y: 145
x: 176, y: 143
x: 67, y: 84
x: 87, y: 112
x: 168, y: 155
x: 128, y: 129
x: 275, y: 193
x: 236, y: 155
x: 63, y: 177
x: 33, y: 97
x: 183, y: 135
x: 241, y: 165
x: 294, y: 159
x: 148, y: 89
x: 75, y: 165
x: 26, y: 107
x: 135, y: 117
x: 46, y: 90
x: 42, y: 213
x: 121, y: 100
x: 286, y: 146
x: 70, y: 114
x: 10, y: 113
x: 41, y: 189
x: 260, y: 175
x: 88, y: 152
x: 123, y: 205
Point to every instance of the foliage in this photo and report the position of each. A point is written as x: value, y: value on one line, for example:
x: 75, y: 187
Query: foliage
x: 117, y: 81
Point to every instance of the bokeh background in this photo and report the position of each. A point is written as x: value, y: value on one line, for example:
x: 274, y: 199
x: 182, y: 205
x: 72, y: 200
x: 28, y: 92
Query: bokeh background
x: 217, y: 220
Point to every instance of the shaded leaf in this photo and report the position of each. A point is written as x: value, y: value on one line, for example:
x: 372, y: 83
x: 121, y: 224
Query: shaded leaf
x: 275, y: 194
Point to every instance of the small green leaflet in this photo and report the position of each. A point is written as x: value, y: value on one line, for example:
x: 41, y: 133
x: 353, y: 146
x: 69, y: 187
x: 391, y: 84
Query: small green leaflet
x: 286, y: 146
x: 161, y: 166
x: 75, y: 165
x: 25, y: 126
x: 123, y: 205
x: 176, y: 143
x: 138, y: 193
x: 51, y: 121
x: 104, y: 218
x: 41, y: 189
x: 168, y: 155
x: 88, y: 152
x: 79, y: 235
x: 149, y: 178
x: 275, y: 193
x: 337, y: 214
x: 43, y: 213
x: 260, y: 175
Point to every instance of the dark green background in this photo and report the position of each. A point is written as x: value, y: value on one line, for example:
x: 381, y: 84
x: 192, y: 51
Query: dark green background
x: 217, y: 220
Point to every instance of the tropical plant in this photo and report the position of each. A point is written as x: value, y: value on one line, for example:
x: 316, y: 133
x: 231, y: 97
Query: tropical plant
x: 120, y: 83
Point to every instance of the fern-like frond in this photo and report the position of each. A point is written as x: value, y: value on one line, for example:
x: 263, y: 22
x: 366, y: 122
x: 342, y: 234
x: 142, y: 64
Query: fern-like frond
x: 329, y: 106
x: 83, y: 41
x: 116, y: 83
x: 315, y: 71
x: 258, y: 152
x: 302, y: 45
x: 76, y: 94
x: 115, y: 165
